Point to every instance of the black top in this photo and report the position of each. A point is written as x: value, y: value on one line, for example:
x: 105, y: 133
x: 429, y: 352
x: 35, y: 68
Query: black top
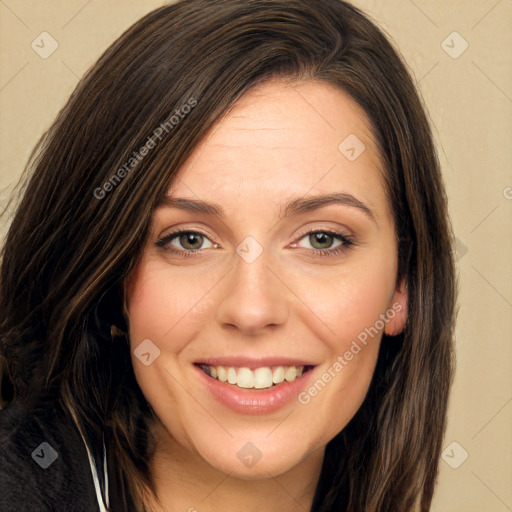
x: 43, y: 463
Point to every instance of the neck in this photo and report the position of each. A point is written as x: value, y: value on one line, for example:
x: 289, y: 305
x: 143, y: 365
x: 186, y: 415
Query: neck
x: 185, y: 482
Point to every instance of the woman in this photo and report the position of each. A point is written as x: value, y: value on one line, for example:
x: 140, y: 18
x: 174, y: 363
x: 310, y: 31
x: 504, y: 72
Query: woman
x: 230, y: 279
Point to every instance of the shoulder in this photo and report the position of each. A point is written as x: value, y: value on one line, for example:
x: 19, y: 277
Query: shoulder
x: 43, y: 462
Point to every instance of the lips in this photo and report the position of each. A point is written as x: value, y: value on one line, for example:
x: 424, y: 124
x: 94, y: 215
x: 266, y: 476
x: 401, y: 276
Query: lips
x: 254, y: 400
x: 252, y: 385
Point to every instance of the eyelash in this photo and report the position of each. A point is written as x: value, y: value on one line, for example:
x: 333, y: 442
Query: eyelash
x: 347, y: 242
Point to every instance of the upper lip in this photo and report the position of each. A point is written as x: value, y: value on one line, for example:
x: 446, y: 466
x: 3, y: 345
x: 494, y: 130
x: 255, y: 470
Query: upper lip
x: 254, y: 362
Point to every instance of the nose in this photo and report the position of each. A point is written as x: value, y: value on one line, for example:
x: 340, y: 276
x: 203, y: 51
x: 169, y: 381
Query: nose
x: 254, y: 298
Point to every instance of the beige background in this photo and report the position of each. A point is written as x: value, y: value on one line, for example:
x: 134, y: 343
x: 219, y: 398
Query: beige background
x: 469, y: 99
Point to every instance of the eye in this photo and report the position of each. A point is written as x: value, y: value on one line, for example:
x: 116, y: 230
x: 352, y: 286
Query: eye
x: 185, y: 241
x: 323, y: 242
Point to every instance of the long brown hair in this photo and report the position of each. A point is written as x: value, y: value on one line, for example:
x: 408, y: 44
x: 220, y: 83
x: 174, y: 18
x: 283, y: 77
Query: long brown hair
x: 79, y: 231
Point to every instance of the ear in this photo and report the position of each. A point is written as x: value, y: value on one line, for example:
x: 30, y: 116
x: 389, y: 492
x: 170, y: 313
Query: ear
x: 397, y: 312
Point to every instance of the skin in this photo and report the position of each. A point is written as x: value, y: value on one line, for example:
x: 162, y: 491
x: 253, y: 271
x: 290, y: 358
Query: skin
x: 279, y: 141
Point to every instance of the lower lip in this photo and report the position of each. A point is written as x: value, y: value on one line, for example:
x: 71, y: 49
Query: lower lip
x: 255, y: 401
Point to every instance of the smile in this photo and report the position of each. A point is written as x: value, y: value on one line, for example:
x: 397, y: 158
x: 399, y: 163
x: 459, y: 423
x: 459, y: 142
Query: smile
x: 257, y: 378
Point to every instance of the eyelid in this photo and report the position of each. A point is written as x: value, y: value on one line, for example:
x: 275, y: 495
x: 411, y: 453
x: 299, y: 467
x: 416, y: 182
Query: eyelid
x: 163, y: 240
x: 328, y: 230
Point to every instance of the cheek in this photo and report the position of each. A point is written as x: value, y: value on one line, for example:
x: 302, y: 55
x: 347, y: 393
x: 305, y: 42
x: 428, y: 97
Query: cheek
x: 349, y: 300
x: 160, y: 302
x: 350, y: 305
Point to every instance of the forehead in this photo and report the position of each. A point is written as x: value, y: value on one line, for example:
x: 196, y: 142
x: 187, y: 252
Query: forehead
x: 284, y: 138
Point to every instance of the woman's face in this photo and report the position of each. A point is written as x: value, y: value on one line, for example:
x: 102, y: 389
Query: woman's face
x: 273, y: 258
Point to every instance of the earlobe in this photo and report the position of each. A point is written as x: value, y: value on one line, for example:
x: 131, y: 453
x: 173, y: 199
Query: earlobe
x: 397, y: 312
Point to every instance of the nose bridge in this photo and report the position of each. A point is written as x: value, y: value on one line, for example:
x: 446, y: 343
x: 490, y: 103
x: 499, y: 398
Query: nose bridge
x: 253, y: 296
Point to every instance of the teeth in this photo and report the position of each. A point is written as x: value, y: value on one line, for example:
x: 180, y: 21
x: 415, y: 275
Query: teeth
x: 262, y: 378
x: 245, y: 378
x: 259, y: 378
x: 290, y: 373
x: 232, y: 376
x: 278, y: 375
x: 222, y: 374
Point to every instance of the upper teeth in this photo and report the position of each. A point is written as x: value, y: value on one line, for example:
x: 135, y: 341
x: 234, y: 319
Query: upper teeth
x: 259, y: 378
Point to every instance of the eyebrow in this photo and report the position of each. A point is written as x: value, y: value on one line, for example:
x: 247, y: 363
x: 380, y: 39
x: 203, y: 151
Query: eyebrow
x: 292, y: 207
